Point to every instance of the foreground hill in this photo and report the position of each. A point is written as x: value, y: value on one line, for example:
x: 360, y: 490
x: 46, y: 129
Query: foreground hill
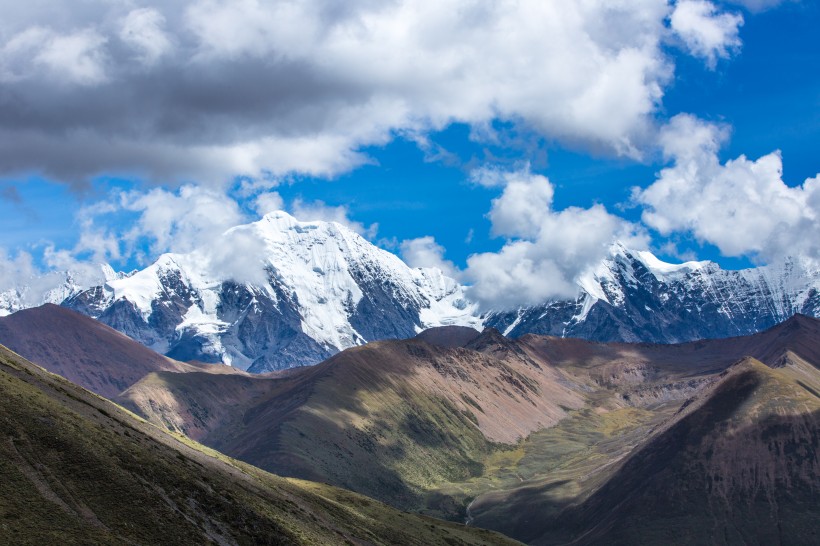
x: 77, y: 469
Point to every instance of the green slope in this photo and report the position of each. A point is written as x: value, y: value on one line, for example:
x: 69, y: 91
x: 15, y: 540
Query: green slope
x: 77, y: 469
x: 393, y: 420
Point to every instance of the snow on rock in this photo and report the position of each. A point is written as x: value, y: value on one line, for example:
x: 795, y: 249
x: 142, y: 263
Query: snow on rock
x: 324, y: 288
x: 633, y: 296
x: 53, y: 287
x: 280, y: 292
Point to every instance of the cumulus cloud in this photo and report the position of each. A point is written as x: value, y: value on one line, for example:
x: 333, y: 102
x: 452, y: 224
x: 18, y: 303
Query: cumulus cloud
x: 141, y: 224
x: 178, y: 221
x: 206, y: 90
x: 238, y: 256
x: 268, y: 202
x: 547, y: 250
x: 706, y: 32
x: 14, y: 267
x: 520, y: 210
x: 426, y: 252
x: 134, y: 227
x: 308, y: 211
x: 741, y: 206
x: 24, y: 283
x: 142, y: 29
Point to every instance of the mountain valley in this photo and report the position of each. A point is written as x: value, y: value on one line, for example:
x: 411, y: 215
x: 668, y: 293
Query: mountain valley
x: 540, y: 438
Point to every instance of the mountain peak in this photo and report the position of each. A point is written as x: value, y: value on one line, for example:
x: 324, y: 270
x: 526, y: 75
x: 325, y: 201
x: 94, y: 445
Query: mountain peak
x: 320, y: 288
x: 280, y: 220
x: 449, y: 336
x: 799, y: 320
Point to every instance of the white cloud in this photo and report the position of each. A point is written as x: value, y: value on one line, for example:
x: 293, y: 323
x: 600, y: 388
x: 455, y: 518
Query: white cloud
x: 15, y: 269
x: 269, y: 88
x: 238, y: 255
x: 143, y: 224
x: 142, y: 30
x: 193, y: 219
x: 491, y: 176
x: 741, y: 206
x: 521, y: 208
x: 319, y: 210
x: 548, y: 249
x: 706, y: 32
x: 73, y: 58
x: 24, y: 283
x: 268, y: 202
x: 426, y: 252
x: 179, y: 221
x: 139, y: 225
x: 84, y: 271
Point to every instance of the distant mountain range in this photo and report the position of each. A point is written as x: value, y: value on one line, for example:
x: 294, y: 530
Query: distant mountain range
x: 324, y: 288
x: 633, y: 296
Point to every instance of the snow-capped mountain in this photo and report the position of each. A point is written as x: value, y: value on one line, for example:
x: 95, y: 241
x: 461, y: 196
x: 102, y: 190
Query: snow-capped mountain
x: 279, y: 293
x: 311, y: 290
x: 633, y: 296
x: 53, y: 287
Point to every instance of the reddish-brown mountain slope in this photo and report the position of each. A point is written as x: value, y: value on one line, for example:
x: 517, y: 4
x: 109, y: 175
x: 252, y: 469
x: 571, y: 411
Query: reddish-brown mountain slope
x: 739, y: 464
x: 392, y: 418
x: 77, y: 469
x: 81, y: 349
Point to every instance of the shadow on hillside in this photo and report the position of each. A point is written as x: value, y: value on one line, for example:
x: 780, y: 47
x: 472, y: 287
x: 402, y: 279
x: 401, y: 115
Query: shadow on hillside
x: 696, y: 482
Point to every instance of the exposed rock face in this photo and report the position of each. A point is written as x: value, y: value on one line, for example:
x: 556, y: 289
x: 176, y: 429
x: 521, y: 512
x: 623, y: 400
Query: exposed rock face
x: 319, y: 288
x: 324, y: 289
x: 634, y: 297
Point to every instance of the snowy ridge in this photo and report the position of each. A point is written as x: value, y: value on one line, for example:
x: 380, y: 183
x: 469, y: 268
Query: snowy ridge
x: 279, y: 293
x: 53, y: 287
x: 320, y: 288
x: 634, y: 296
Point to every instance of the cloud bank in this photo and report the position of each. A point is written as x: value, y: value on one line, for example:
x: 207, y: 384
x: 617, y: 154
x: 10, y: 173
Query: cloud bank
x: 195, y: 93
x: 205, y: 90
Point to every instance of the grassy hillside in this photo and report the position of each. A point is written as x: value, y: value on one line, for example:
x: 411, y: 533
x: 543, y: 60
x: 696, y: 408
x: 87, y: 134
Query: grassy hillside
x: 76, y: 469
x: 393, y: 420
x: 548, y: 440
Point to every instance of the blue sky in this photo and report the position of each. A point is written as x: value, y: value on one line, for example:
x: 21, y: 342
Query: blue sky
x: 102, y: 108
